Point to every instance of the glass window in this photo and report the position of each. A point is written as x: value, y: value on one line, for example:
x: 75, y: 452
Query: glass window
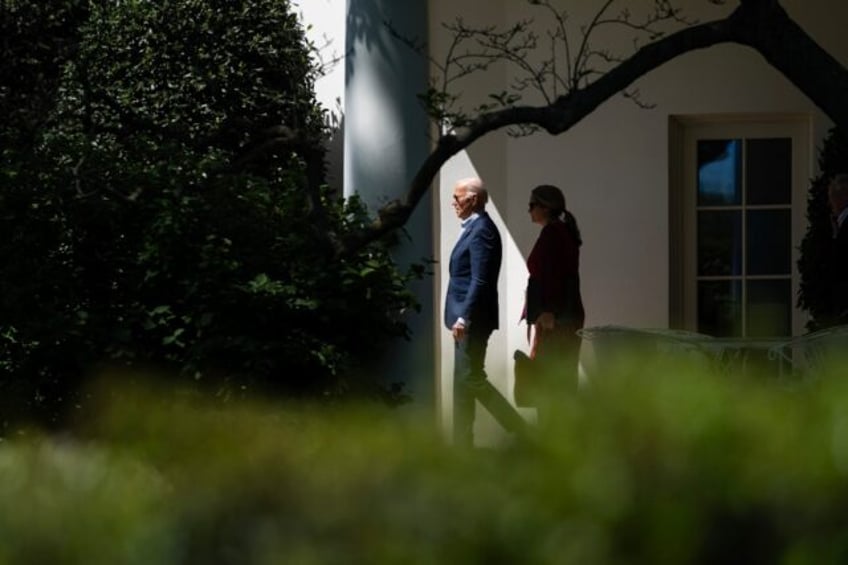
x: 769, y: 308
x: 769, y: 249
x: 744, y: 236
x: 719, y: 172
x: 768, y: 171
x: 719, y: 243
x: 719, y: 308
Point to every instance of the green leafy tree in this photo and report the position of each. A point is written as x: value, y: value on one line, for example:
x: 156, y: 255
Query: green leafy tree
x: 162, y: 205
x: 815, y: 263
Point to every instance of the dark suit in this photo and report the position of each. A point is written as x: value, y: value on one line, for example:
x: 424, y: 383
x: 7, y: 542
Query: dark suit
x: 475, y: 264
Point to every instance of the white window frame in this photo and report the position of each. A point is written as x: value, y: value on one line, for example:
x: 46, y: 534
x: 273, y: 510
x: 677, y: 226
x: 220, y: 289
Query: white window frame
x: 684, y: 132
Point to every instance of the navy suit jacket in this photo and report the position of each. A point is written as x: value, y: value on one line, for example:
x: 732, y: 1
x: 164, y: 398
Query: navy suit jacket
x: 475, y: 264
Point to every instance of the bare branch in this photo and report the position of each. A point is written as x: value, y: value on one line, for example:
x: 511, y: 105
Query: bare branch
x: 762, y: 25
x: 473, y: 50
x: 636, y: 96
x: 555, y: 118
x: 324, y: 64
x: 502, y: 47
x: 561, y: 33
x: 579, y: 59
x: 651, y: 26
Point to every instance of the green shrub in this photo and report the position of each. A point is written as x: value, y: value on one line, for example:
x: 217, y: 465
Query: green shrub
x: 155, y: 212
x: 654, y: 464
x: 815, y: 263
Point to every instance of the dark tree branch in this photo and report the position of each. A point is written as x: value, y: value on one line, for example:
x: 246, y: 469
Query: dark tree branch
x: 555, y: 118
x: 760, y: 24
x: 766, y: 27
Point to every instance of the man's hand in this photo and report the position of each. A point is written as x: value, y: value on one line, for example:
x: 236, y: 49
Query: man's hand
x: 458, y: 331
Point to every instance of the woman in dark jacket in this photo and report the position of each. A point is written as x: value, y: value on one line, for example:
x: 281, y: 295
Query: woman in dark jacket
x: 553, y: 304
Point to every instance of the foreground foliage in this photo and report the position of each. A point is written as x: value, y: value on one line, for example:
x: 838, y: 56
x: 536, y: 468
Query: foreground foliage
x: 653, y: 464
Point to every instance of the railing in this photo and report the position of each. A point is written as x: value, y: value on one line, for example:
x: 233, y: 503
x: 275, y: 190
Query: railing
x: 612, y: 344
x: 811, y: 354
x: 797, y: 357
x: 740, y: 355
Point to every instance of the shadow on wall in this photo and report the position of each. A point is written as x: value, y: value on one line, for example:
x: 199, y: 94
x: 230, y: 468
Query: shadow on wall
x: 365, y: 26
x: 369, y: 26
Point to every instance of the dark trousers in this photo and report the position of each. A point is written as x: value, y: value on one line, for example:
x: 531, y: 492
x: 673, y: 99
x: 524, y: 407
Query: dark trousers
x: 557, y: 353
x: 470, y: 383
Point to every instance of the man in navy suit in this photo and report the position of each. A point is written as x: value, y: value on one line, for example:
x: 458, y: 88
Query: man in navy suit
x: 471, y: 307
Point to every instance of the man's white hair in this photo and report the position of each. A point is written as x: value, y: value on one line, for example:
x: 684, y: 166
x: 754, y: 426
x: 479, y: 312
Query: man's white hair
x: 475, y: 185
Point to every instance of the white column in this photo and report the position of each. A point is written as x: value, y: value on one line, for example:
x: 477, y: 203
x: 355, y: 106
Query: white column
x: 385, y: 143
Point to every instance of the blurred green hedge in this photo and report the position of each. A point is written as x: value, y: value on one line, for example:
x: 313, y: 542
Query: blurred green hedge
x: 653, y: 463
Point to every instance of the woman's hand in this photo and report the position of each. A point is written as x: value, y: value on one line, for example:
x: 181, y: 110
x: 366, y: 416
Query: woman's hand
x: 545, y: 321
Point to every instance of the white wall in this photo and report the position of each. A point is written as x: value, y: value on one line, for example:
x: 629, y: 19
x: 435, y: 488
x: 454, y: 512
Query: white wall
x: 380, y: 142
x: 613, y: 166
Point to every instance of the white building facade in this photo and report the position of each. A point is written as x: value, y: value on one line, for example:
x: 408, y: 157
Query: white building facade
x: 691, y: 212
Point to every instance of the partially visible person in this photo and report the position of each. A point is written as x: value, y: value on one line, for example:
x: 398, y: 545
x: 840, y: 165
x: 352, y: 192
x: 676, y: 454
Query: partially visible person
x: 553, y: 305
x: 837, y: 192
x: 471, y: 306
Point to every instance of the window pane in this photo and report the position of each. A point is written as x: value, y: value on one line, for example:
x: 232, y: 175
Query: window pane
x: 768, y: 171
x: 719, y: 172
x: 719, y: 243
x: 769, y: 309
x: 769, y: 242
x: 719, y: 308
